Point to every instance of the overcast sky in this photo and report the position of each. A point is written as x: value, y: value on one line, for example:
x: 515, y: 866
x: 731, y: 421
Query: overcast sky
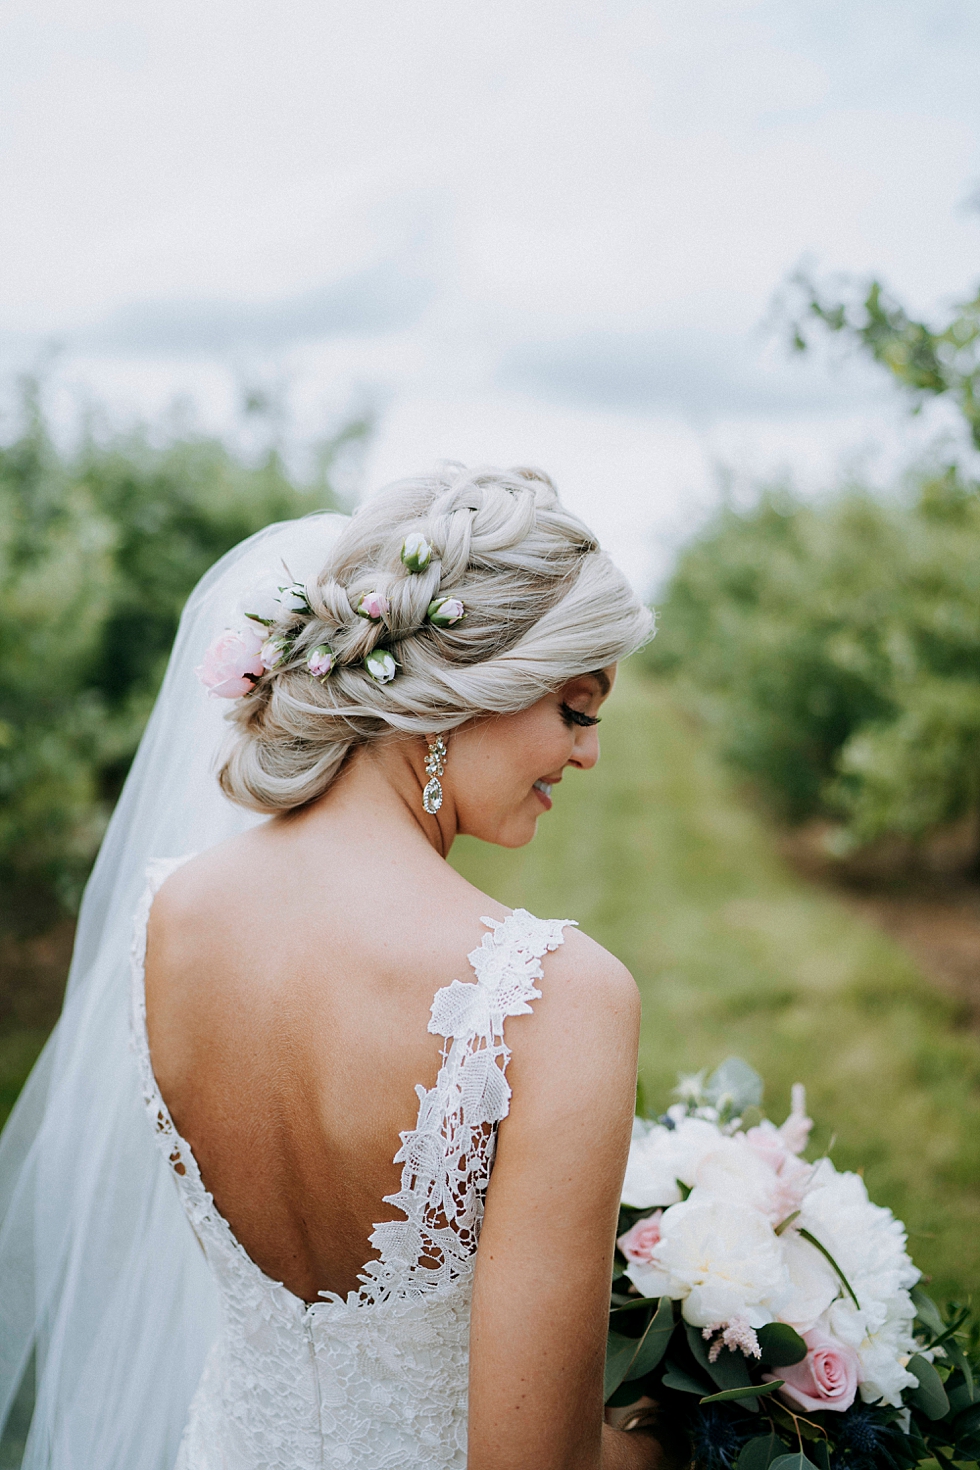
x: 525, y: 231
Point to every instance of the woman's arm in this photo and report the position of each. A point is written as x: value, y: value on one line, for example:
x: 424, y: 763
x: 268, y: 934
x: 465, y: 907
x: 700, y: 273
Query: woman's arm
x: 541, y: 1287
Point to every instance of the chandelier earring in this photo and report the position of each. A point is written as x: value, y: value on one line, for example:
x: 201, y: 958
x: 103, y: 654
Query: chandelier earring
x: 435, y: 765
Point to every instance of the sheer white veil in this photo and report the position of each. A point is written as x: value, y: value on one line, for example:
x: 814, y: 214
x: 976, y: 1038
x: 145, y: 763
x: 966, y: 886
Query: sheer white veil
x: 103, y: 1287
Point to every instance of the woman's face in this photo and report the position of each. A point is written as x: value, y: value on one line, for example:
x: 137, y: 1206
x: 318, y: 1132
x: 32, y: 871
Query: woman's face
x: 503, y: 769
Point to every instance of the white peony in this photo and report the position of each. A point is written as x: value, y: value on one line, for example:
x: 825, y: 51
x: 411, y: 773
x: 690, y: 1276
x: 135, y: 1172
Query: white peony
x: 659, y: 1156
x: 883, y: 1343
x: 814, y: 1283
x: 738, y: 1170
x: 866, y: 1241
x: 868, y: 1244
x: 722, y: 1260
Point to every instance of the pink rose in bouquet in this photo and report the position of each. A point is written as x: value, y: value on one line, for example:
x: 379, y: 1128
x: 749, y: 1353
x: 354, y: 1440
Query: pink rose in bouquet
x: 827, y: 1378
x: 638, y: 1244
x: 232, y: 663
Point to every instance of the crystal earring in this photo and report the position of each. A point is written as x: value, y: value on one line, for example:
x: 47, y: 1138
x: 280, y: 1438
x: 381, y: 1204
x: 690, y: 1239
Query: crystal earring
x: 435, y: 764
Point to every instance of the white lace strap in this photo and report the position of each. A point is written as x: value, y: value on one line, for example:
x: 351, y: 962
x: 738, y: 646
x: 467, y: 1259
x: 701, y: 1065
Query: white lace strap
x: 157, y: 873
x: 507, y: 964
x: 446, y: 1159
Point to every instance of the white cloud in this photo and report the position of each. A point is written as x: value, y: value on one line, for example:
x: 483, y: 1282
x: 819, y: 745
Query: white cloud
x: 400, y: 198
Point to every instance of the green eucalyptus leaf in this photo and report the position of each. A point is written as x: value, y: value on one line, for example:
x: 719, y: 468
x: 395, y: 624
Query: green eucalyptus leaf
x: 682, y: 1381
x: 927, y: 1311
x: 930, y: 1396
x: 625, y: 1394
x: 968, y: 1421
x: 959, y: 1360
x: 781, y: 1345
x: 821, y: 1454
x: 959, y: 1398
x: 734, y: 1086
x: 796, y: 1461
x: 731, y: 1395
x: 760, y: 1452
x: 698, y: 1346
x: 620, y: 1352
x: 653, y: 1343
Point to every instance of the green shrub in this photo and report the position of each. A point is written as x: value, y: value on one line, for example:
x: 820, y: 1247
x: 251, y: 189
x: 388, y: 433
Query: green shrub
x: 837, y: 648
x: 99, y: 549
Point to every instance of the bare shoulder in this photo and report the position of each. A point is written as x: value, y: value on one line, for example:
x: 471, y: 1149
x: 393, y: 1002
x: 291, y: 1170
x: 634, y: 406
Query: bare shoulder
x: 585, y: 988
x: 582, y: 965
x: 201, y: 890
x: 579, y: 1047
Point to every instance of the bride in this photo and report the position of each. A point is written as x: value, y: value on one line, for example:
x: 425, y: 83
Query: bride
x: 248, y: 1213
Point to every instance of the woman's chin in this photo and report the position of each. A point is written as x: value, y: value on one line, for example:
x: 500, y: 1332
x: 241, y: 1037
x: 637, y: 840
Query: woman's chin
x: 517, y: 831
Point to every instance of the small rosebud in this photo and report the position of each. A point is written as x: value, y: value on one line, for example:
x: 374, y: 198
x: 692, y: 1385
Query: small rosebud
x: 445, y: 611
x: 416, y: 552
x: 373, y: 606
x: 294, y: 599
x: 273, y: 652
x: 381, y: 665
x: 320, y: 661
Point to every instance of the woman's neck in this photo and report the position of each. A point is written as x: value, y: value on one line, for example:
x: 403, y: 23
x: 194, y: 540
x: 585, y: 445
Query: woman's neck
x: 377, y: 798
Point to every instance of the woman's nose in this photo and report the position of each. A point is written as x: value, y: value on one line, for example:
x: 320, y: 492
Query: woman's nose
x: 586, y: 750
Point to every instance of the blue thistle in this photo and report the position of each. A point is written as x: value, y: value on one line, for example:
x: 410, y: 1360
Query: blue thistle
x: 862, y: 1440
x: 716, y: 1438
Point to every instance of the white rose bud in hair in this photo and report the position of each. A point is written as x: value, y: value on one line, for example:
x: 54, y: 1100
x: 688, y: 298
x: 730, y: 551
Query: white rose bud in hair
x: 273, y: 652
x: 381, y: 665
x: 294, y: 599
x: 445, y: 611
x: 416, y: 552
x: 320, y: 661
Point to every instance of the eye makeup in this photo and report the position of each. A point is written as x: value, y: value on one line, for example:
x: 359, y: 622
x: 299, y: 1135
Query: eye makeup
x: 576, y: 717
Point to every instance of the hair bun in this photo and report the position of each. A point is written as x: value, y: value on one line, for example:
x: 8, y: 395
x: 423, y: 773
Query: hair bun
x: 543, y: 604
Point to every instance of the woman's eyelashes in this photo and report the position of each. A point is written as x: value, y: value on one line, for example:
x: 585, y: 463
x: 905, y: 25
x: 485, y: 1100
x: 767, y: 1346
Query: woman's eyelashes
x: 576, y: 717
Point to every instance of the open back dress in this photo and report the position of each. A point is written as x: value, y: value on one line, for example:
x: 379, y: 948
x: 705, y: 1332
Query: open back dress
x: 376, y: 1381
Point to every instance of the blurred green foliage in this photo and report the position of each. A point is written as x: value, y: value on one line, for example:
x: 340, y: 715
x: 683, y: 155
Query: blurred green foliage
x: 836, y: 644
x: 837, y: 649
x: 99, y: 548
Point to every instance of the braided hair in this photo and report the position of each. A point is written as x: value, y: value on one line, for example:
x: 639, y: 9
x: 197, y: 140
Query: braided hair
x: 542, y: 604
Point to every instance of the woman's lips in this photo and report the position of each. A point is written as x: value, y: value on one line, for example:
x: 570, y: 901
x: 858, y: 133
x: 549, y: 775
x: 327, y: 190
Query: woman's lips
x: 543, y: 788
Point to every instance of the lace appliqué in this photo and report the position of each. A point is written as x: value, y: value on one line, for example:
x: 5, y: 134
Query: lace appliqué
x: 448, y: 1156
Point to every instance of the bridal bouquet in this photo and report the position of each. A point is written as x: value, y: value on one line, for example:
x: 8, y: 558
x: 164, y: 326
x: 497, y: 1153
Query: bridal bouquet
x: 769, y: 1308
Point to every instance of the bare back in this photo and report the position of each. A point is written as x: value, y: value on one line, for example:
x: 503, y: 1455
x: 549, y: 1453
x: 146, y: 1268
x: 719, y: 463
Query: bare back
x: 287, y: 1007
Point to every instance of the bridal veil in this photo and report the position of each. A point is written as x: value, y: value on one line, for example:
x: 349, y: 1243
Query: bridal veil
x: 105, y: 1299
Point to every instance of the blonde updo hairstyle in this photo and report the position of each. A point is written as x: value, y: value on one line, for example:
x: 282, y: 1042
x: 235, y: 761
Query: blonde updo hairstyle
x: 543, y: 605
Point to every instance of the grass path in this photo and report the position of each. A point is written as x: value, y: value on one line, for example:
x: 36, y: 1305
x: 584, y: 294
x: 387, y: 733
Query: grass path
x: 660, y: 861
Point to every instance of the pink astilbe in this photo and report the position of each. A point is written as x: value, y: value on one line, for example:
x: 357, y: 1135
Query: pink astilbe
x: 734, y: 1334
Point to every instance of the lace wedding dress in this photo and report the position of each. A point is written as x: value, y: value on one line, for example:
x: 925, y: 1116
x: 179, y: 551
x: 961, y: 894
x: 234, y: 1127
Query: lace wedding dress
x: 377, y: 1381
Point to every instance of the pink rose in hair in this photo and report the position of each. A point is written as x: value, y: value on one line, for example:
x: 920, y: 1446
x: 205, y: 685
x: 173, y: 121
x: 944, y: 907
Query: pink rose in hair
x: 373, y: 605
x: 230, y: 661
x: 320, y: 661
x: 827, y: 1378
x: 638, y: 1244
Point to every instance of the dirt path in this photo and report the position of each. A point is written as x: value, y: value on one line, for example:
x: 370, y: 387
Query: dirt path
x: 935, y: 917
x: 941, y: 930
